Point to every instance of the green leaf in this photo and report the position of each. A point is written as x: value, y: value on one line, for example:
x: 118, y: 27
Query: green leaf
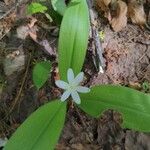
x: 73, y: 38
x: 41, y: 130
x: 36, y: 8
x: 40, y: 73
x: 133, y: 105
x: 59, y: 6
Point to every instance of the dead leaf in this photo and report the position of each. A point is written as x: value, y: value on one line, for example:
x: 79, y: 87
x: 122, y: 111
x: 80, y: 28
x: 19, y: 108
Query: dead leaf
x: 57, y: 76
x: 104, y: 6
x: 33, y: 35
x: 6, y: 23
x: 120, y: 21
x: 32, y: 22
x: 9, y: 2
x: 136, y: 12
x: 103, y: 3
x: 47, y: 47
x: 29, y: 29
x: 135, y: 85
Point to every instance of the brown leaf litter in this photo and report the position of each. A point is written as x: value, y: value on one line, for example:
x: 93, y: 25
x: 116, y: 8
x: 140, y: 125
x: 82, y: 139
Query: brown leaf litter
x: 136, y: 12
x: 117, y: 12
x: 120, y: 20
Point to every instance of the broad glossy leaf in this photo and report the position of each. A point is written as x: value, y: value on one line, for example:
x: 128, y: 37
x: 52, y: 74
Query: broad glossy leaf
x: 41, y: 72
x: 73, y: 37
x: 59, y: 6
x: 41, y: 130
x: 133, y: 105
x: 36, y: 8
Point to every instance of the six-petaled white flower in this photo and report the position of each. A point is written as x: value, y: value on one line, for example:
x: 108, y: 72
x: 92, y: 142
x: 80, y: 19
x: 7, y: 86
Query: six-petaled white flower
x: 72, y: 87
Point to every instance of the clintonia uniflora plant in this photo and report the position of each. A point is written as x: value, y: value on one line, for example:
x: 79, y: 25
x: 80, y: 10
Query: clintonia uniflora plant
x: 42, y: 129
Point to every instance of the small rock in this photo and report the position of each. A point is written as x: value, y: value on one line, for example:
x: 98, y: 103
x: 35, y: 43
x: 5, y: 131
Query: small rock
x: 3, y: 142
x: 22, y: 32
x: 14, y: 62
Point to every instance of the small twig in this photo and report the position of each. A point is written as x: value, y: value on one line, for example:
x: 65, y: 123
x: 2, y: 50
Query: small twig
x: 24, y: 79
x: 99, y: 60
x: 17, y: 3
x: 99, y: 51
x: 46, y: 27
x: 20, y: 90
x: 8, y: 12
x: 22, y: 85
x: 141, y: 57
x: 143, y: 42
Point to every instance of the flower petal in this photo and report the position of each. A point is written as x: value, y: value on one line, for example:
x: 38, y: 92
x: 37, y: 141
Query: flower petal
x: 75, y: 97
x: 65, y: 95
x: 79, y: 78
x: 70, y: 75
x: 83, y: 89
x: 61, y: 84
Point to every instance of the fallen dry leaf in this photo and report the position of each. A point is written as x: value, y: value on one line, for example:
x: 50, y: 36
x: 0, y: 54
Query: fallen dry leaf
x: 136, y: 12
x: 9, y: 2
x: 135, y: 85
x: 33, y: 35
x: 29, y: 29
x: 47, y: 47
x: 6, y: 24
x: 57, y: 76
x: 120, y: 21
x: 104, y: 6
x: 32, y: 22
x: 103, y: 3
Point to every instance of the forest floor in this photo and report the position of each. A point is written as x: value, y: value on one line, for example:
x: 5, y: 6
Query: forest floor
x: 27, y: 40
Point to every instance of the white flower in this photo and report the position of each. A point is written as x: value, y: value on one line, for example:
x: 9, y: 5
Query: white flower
x: 72, y: 87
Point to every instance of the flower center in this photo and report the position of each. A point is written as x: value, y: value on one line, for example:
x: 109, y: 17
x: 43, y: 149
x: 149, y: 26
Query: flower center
x: 72, y: 87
